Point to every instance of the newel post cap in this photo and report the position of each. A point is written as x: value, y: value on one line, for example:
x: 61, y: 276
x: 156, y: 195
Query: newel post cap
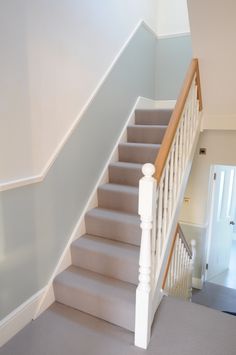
x: 148, y: 170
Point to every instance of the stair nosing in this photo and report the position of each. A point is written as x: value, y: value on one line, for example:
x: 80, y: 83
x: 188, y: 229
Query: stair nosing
x: 110, y: 243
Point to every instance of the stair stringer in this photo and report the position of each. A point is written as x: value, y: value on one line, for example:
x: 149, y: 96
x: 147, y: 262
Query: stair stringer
x: 48, y: 297
x: 159, y: 293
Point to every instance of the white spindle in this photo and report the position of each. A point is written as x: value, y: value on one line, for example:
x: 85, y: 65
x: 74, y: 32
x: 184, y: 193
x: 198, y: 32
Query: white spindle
x: 165, y: 204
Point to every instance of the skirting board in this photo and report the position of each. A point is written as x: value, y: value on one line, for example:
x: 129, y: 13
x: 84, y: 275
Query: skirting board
x: 19, y: 318
x: 197, y: 283
x: 148, y: 104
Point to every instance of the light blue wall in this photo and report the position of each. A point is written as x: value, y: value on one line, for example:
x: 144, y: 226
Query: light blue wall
x: 173, y: 56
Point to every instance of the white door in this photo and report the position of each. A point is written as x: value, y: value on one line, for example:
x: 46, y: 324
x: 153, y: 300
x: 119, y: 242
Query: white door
x: 224, y: 201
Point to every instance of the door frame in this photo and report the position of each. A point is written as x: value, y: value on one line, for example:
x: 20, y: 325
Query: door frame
x: 210, y: 209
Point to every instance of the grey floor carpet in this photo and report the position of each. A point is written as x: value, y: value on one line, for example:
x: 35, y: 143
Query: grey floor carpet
x: 216, y: 296
x: 180, y: 328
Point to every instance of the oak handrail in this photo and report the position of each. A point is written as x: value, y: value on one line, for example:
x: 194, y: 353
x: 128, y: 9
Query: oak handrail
x: 176, y: 116
x: 179, y: 232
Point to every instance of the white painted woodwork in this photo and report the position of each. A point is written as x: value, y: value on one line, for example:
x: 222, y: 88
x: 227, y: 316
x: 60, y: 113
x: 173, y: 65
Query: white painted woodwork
x: 157, y: 237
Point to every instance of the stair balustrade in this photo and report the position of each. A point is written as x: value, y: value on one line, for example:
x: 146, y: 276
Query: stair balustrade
x: 161, y: 193
x: 178, y: 276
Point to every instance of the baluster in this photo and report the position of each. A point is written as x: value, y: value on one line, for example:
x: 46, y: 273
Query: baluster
x: 176, y: 169
x: 178, y: 266
x: 147, y: 188
x: 165, y: 204
x: 185, y: 287
x: 193, y: 110
x: 160, y: 222
x: 196, y: 107
x: 181, y: 267
x: 185, y: 137
x: 173, y: 262
x: 171, y: 183
x: 180, y: 153
x: 191, y: 268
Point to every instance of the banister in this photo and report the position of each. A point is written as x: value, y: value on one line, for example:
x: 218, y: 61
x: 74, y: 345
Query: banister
x: 179, y: 232
x: 176, y: 116
x: 161, y: 257
x: 187, y: 247
x: 169, y: 258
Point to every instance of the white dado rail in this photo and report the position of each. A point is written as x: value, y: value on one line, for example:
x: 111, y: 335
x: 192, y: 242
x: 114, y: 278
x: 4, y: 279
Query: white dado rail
x: 159, y: 201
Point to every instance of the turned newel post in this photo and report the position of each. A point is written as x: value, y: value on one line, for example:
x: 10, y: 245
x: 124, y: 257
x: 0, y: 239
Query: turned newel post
x: 147, y: 203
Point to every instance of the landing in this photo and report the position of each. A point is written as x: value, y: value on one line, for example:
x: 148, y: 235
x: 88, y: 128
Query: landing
x: 182, y: 329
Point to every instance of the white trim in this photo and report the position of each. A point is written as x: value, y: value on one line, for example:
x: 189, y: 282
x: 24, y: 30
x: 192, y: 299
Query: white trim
x: 203, y: 226
x: 197, y: 283
x: 149, y: 104
x: 19, y: 318
x: 40, y: 177
x: 170, y: 232
x: 173, y: 35
x: 219, y: 122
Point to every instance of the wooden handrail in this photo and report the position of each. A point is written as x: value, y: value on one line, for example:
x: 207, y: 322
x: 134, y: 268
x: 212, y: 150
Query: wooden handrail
x: 179, y: 232
x: 176, y: 115
x: 182, y: 237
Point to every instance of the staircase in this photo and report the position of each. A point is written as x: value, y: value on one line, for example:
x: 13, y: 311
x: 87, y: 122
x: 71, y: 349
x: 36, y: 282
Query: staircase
x: 103, y: 277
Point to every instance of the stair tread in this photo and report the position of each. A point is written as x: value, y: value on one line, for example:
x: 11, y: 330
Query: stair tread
x: 134, y: 144
x: 100, y: 285
x: 113, y: 214
x: 127, y: 165
x: 149, y: 126
x: 119, y: 188
x: 106, y: 246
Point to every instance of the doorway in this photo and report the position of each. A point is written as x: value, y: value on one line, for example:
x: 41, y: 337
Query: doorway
x: 221, y: 253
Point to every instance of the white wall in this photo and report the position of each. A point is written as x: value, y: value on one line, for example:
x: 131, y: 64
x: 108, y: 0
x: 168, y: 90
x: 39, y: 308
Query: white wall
x: 213, y: 29
x: 53, y: 55
x: 172, y: 17
x: 221, y: 148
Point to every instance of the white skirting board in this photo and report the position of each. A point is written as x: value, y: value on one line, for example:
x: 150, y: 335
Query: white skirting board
x: 19, y: 318
x: 197, y: 283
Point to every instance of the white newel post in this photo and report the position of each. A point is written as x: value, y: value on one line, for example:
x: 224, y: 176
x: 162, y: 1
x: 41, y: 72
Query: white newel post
x: 191, y: 267
x: 146, y: 210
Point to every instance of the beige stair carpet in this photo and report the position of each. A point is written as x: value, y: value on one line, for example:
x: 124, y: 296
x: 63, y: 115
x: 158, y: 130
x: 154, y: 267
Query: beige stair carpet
x: 104, y: 273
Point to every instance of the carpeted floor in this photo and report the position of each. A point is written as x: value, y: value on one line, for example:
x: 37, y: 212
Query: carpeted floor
x: 180, y: 328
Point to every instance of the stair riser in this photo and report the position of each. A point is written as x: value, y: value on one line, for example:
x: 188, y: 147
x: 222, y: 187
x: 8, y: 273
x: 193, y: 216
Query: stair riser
x: 111, y: 310
x: 139, y: 134
x: 113, y: 229
x: 152, y: 117
x: 123, y: 176
x: 133, y: 154
x: 118, y: 200
x: 120, y: 268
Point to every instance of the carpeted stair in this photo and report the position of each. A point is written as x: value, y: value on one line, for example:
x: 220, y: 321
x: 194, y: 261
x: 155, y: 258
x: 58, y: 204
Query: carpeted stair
x: 104, y: 273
